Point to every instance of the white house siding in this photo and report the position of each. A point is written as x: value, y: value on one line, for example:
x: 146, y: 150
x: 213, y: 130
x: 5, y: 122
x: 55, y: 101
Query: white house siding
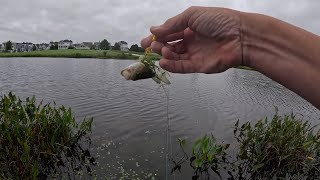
x: 124, y: 47
x: 64, y: 44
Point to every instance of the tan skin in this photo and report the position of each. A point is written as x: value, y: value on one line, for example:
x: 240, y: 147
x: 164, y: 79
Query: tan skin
x: 212, y: 40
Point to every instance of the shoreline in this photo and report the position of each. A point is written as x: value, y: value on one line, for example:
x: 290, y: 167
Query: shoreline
x: 75, y: 53
x: 90, y: 54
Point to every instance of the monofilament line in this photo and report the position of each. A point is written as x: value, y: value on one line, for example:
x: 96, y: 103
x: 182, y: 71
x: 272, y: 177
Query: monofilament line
x: 168, y: 138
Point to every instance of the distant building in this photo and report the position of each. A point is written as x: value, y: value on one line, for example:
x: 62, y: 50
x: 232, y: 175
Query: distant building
x: 81, y: 46
x: 3, y: 46
x: 18, y: 47
x: 123, y: 46
x: 65, y: 44
x: 42, y: 46
x: 23, y: 47
x: 26, y: 47
x: 88, y: 44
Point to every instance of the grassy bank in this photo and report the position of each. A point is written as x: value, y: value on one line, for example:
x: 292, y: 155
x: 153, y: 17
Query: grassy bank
x: 76, y: 53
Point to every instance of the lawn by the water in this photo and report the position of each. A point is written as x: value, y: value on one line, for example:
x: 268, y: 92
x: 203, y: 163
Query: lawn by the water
x: 76, y: 53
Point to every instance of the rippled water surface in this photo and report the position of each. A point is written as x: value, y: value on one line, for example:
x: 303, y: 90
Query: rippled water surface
x: 129, y: 132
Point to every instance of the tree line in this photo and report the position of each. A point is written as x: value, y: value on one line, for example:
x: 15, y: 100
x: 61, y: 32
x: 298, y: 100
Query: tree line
x: 104, y: 45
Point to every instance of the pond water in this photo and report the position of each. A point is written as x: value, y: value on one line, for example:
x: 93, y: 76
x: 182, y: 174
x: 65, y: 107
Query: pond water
x: 130, y: 118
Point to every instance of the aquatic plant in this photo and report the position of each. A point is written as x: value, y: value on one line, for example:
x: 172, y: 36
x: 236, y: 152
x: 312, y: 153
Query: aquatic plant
x: 285, y: 146
x: 207, y: 155
x: 39, y: 141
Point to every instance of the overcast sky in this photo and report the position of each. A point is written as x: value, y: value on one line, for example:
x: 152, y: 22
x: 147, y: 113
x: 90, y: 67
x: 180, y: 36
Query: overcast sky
x: 129, y: 20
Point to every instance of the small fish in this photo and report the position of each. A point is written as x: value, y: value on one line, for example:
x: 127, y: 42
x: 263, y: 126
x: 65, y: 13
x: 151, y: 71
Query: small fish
x: 137, y: 71
x: 146, y: 68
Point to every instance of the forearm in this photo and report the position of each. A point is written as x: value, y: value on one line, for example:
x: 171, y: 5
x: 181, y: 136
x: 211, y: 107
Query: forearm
x: 283, y: 52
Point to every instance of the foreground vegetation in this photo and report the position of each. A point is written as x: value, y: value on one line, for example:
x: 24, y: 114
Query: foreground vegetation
x: 284, y: 147
x: 76, y: 53
x: 43, y: 141
x: 39, y: 141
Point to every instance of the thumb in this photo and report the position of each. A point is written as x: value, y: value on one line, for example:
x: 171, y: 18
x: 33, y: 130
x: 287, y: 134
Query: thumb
x: 175, y: 24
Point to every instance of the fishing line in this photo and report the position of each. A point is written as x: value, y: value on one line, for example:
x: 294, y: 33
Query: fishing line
x: 147, y: 68
x: 168, y: 137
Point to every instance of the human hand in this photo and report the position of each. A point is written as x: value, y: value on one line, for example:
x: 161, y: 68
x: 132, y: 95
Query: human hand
x: 211, y: 41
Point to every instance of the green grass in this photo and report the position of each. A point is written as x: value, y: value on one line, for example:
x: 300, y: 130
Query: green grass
x: 40, y: 141
x: 74, y: 53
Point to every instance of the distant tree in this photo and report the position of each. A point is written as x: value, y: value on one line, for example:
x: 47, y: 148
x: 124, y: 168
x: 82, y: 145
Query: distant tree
x: 92, y: 47
x: 104, y: 45
x: 141, y: 49
x: 54, y: 47
x: 134, y: 48
x: 116, y: 46
x: 8, y: 46
x: 34, y: 48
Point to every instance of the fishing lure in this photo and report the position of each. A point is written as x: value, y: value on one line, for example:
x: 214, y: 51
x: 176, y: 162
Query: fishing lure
x: 146, y: 68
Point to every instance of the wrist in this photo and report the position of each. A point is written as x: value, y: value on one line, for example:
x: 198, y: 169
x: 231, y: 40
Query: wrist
x: 267, y: 41
x: 257, y: 39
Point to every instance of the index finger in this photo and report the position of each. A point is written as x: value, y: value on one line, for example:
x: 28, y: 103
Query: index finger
x: 146, y: 42
x: 175, y: 24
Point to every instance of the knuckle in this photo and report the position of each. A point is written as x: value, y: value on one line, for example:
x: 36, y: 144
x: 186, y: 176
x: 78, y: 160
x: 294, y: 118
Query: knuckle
x: 191, y: 9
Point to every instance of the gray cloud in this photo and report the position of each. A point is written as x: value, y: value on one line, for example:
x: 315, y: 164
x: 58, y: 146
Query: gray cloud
x: 92, y: 20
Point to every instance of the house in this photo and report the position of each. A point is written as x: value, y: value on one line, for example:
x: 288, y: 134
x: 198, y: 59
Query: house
x: 88, y: 44
x: 81, y: 46
x: 24, y: 47
x: 3, y: 46
x: 65, y: 44
x: 123, y: 46
x: 18, y: 47
x: 43, y: 46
